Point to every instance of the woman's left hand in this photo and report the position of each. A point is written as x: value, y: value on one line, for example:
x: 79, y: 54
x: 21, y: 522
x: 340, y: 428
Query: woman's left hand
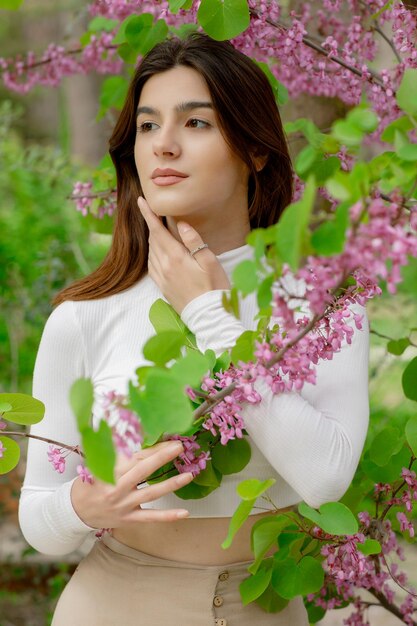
x: 180, y: 276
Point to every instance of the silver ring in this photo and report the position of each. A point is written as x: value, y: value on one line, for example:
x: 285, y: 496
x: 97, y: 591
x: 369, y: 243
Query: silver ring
x: 203, y: 245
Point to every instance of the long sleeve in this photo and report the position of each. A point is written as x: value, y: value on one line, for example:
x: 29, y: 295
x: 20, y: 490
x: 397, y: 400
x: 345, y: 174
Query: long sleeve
x: 46, y: 515
x: 314, y: 438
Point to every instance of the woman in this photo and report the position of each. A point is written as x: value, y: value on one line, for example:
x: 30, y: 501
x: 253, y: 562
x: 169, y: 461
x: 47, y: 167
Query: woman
x: 200, y: 138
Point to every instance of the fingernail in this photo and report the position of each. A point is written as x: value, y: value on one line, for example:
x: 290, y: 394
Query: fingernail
x: 186, y: 477
x: 183, y: 513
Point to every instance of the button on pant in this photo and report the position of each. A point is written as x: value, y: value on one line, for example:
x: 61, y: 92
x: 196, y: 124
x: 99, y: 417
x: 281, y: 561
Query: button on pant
x: 115, y: 584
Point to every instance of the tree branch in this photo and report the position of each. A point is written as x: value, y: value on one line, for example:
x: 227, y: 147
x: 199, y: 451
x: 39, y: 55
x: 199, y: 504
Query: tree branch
x: 51, y: 441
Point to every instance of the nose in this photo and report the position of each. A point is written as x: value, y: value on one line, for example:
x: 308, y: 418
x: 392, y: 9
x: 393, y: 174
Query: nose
x: 166, y: 143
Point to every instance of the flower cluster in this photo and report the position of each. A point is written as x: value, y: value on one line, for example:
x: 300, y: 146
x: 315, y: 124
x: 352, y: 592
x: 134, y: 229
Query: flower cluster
x: 193, y: 459
x: 126, y: 428
x: 57, y: 457
x: 97, y: 203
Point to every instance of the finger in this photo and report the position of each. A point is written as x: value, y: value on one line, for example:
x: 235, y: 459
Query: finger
x: 124, y: 463
x: 152, y: 220
x: 192, y: 240
x: 155, y: 515
x: 147, y: 466
x: 153, y: 492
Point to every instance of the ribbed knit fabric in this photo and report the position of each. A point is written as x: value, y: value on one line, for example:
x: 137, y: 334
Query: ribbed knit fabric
x: 310, y: 442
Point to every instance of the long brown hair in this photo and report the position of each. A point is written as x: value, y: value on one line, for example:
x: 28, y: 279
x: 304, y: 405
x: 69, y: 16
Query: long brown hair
x: 248, y: 115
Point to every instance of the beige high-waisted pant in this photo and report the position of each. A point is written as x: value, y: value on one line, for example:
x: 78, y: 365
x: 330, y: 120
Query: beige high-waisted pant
x: 115, y: 585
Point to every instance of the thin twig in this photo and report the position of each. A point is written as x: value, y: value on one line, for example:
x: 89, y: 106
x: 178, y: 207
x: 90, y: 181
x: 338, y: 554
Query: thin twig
x: 51, y: 441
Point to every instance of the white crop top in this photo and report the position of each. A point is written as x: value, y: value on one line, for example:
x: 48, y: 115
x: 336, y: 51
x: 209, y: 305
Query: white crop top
x: 310, y: 441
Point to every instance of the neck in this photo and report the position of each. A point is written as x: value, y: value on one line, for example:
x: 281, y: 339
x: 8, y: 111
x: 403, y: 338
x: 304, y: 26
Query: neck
x: 220, y: 237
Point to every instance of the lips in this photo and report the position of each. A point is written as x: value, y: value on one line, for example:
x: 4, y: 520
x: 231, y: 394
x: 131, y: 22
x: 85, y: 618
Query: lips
x: 168, y: 176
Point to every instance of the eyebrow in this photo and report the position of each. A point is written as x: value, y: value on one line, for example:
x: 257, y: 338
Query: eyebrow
x: 182, y: 107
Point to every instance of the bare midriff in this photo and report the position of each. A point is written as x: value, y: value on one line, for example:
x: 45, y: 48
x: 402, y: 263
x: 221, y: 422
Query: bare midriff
x: 196, y: 540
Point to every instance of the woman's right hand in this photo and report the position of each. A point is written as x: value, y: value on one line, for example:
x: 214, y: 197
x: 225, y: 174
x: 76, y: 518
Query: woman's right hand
x: 101, y: 505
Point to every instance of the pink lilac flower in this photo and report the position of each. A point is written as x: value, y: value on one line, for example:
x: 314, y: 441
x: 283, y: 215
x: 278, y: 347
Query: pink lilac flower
x: 84, y: 474
x: 125, y: 424
x: 193, y: 459
x: 55, y: 456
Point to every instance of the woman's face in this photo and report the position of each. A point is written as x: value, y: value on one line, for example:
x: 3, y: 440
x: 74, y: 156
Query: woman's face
x: 185, y: 166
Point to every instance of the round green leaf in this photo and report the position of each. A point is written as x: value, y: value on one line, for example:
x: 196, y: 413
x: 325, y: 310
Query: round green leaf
x: 163, y: 347
x: 270, y: 601
x: 81, y: 400
x: 233, y: 457
x: 409, y: 380
x: 411, y: 434
x: 223, y: 19
x: 137, y: 28
x: 397, y: 346
x: 389, y: 472
x: 333, y: 517
x: 291, y: 579
x: 407, y: 92
x: 253, y: 488
x: 306, y: 159
x: 254, y: 586
x: 25, y: 409
x: 245, y: 277
x: 370, y: 546
x: 385, y: 445
x: 99, y: 451
x: 264, y: 534
x: 10, y: 455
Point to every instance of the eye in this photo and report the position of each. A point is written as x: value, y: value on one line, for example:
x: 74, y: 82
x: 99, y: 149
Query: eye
x: 196, y: 123
x: 145, y: 127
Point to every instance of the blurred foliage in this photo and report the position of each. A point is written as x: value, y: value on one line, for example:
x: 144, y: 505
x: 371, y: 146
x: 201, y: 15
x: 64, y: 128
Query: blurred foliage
x: 44, y: 245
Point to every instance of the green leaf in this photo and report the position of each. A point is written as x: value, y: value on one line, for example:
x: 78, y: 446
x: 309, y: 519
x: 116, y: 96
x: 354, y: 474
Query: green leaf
x: 409, y: 380
x: 385, y: 445
x: 315, y: 613
x: 239, y: 517
x: 232, y: 458
x: 192, y: 491
x: 324, y: 168
x: 127, y: 53
x: 308, y: 128
x: 408, y: 152
x: 403, y: 124
x: 244, y: 349
x: 164, y: 346
x: 163, y: 406
x: 25, y: 409
x: 389, y: 472
x: 411, y: 434
x: 306, y: 159
x: 370, y: 546
x: 164, y: 317
x: 363, y: 119
x: 253, y: 488
x: 230, y: 302
x: 222, y: 362
x: 11, y: 5
x: 406, y: 95
x: 398, y: 346
x: 333, y: 517
x: 291, y: 231
x: 330, y: 237
x: 270, y: 601
x: 280, y: 91
x: 263, y: 535
x: 291, y: 579
x: 5, y: 406
x: 264, y: 296
x: 157, y: 33
x: 245, y: 277
x: 81, y: 400
x: 137, y: 28
x: 99, y: 451
x: 191, y: 369
x: 347, y: 133
x: 9, y: 456
x: 113, y: 94
x: 254, y: 586
x: 100, y: 23
x: 176, y: 5
x: 223, y: 19
x: 208, y: 477
x: 339, y: 186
